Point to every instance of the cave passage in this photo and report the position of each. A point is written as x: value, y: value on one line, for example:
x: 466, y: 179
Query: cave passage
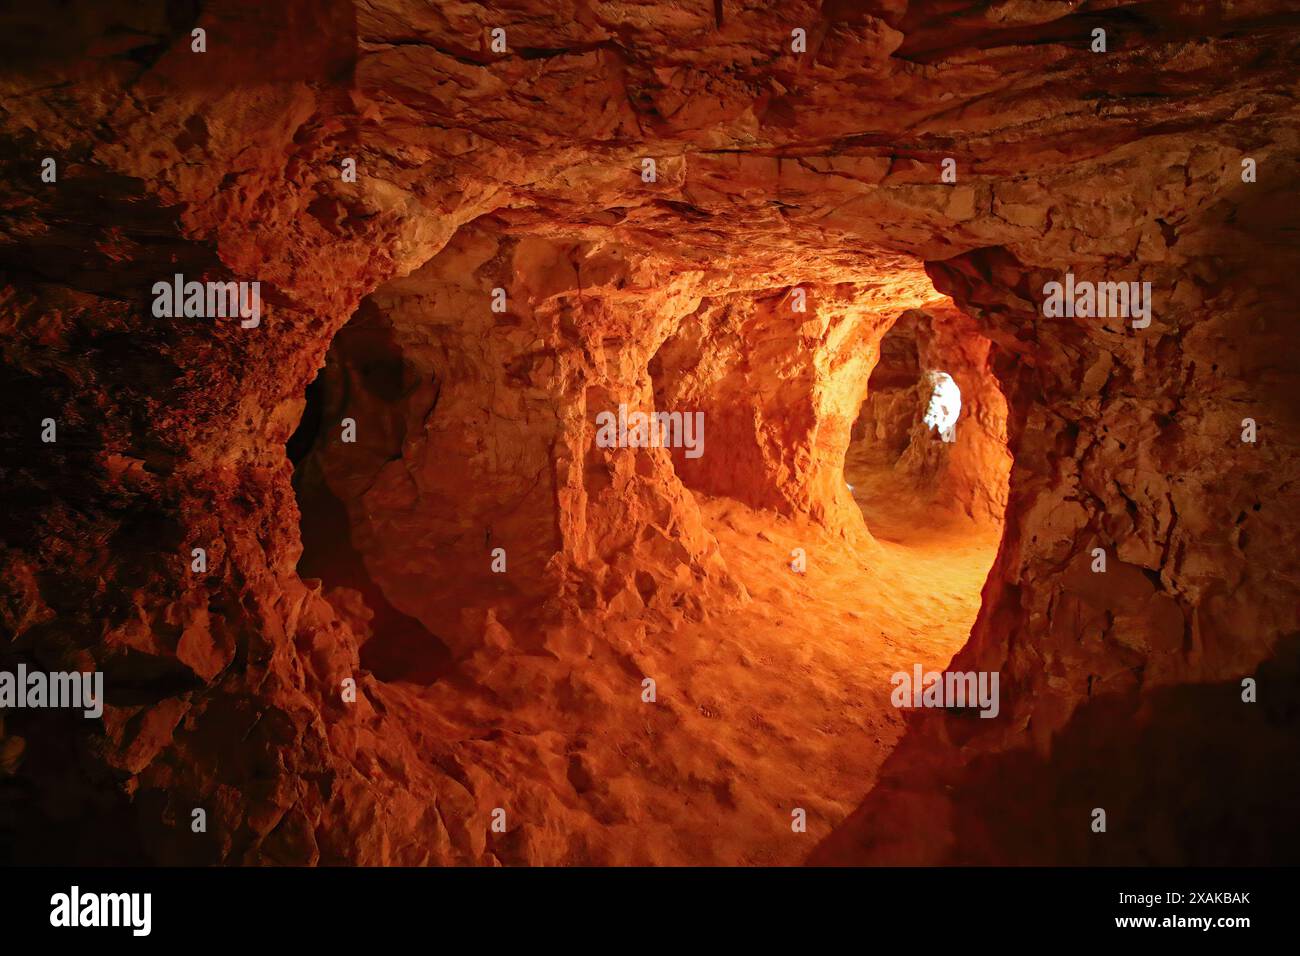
x: 482, y: 229
x: 363, y: 360
x: 928, y: 463
x: 428, y: 463
x: 928, y: 455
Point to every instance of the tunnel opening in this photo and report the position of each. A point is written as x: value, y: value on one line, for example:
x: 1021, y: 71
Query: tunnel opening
x: 928, y: 463
x: 928, y: 450
x: 363, y: 361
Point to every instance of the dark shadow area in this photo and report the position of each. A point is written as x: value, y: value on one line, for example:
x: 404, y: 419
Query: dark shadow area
x: 398, y: 646
x: 53, y: 813
x: 1189, y: 775
x: 157, y: 36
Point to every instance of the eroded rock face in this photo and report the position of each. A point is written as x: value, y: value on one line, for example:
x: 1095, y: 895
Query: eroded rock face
x: 525, y: 171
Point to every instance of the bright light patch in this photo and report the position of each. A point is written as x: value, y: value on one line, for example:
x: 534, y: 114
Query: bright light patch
x: 945, y: 404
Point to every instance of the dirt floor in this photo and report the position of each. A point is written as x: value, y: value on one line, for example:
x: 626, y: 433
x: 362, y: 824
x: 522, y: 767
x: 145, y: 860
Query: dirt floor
x: 781, y: 704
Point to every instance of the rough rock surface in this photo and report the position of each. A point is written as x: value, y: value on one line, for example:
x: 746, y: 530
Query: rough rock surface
x: 524, y: 170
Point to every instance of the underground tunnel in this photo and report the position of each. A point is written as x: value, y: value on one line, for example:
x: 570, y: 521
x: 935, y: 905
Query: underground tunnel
x: 646, y: 429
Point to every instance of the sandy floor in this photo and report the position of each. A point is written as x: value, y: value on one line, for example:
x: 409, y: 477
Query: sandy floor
x: 779, y: 705
x: 807, y: 664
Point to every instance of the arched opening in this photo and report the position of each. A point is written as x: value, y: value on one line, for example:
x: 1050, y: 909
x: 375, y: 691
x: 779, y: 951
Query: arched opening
x: 928, y: 461
x: 364, y: 368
